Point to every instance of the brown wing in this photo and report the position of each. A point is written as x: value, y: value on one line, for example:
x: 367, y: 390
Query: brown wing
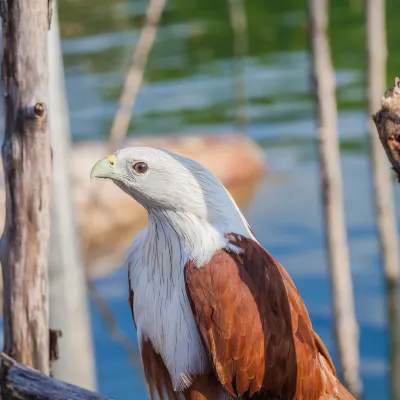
x: 204, y: 387
x: 256, y: 328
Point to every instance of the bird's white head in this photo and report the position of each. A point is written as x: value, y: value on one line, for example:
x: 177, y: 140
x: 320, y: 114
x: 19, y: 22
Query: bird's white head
x: 174, y: 186
x: 159, y: 179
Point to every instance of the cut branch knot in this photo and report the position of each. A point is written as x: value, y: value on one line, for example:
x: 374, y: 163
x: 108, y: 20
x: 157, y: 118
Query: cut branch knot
x: 39, y: 109
x: 54, y: 349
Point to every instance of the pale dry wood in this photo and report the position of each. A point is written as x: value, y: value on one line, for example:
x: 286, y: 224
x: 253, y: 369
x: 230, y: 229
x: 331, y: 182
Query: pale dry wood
x: 24, y: 383
x: 134, y: 78
x: 27, y: 170
x: 383, y: 187
x: 68, y: 293
x: 346, y: 328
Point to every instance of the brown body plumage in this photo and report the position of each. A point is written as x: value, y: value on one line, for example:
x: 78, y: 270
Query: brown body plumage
x: 257, y: 332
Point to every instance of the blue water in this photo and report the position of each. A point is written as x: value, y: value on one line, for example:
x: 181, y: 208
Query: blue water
x: 189, y: 87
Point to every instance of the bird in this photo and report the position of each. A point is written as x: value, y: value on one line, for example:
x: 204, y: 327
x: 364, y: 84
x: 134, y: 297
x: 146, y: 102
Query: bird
x: 216, y: 315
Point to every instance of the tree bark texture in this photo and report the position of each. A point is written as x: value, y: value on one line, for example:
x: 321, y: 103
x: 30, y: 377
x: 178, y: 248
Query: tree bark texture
x: 21, y: 382
x: 27, y: 170
x: 346, y: 328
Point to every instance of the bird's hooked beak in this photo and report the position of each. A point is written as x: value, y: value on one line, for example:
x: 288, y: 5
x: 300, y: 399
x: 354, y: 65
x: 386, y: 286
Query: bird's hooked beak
x: 106, y: 168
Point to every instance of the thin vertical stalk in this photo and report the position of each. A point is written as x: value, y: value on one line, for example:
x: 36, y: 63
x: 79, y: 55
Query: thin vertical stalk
x: 346, y: 328
x: 382, y: 184
x: 68, y: 293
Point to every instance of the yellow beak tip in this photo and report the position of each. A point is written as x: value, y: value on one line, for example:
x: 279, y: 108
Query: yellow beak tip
x: 112, y: 159
x: 104, y: 167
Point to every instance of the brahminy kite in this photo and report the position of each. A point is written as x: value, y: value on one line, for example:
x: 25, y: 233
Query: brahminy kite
x: 217, y: 317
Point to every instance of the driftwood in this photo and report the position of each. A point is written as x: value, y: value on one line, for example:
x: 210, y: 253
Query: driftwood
x: 387, y: 121
x: 21, y: 382
x: 346, y: 328
x: 27, y: 173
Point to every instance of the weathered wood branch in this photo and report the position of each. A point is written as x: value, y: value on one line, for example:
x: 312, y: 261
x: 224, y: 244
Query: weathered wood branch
x: 387, y: 121
x: 27, y: 172
x: 323, y: 78
x: 21, y: 382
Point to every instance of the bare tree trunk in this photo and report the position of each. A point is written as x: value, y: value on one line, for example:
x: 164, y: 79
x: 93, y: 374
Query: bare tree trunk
x: 134, y: 78
x: 27, y: 169
x: 346, y: 328
x: 383, y: 188
x: 238, y: 19
x: 68, y: 292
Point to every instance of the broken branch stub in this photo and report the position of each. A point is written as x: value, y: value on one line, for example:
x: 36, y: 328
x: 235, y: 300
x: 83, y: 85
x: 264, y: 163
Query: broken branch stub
x: 25, y: 383
x: 387, y: 121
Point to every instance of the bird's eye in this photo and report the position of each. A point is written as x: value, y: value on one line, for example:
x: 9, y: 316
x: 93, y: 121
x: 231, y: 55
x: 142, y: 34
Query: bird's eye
x: 140, y: 167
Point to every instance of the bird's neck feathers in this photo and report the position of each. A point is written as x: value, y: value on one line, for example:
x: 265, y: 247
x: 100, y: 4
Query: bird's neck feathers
x: 195, y: 237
